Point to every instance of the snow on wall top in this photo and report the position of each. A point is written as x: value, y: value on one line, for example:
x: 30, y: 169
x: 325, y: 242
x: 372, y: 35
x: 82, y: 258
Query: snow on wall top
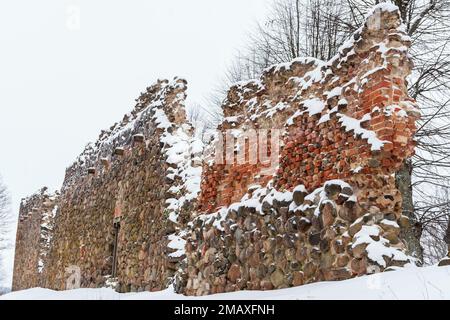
x: 36, y: 200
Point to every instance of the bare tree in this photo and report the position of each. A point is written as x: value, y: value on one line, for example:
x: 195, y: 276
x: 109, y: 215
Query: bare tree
x: 294, y: 28
x: 5, y: 225
x: 317, y: 28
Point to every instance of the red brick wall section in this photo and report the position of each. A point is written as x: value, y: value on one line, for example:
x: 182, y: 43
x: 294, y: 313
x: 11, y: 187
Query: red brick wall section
x: 350, y: 114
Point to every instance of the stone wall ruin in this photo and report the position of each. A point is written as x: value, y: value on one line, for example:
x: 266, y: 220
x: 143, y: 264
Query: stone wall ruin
x: 141, y: 209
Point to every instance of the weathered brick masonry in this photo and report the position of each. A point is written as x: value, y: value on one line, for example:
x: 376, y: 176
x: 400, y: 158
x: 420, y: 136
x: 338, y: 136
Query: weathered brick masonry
x: 134, y: 210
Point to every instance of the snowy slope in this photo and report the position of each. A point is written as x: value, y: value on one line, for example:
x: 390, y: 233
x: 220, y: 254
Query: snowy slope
x: 409, y: 283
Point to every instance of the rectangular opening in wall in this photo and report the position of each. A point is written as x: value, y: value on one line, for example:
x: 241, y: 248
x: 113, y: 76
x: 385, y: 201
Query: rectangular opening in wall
x: 115, y: 242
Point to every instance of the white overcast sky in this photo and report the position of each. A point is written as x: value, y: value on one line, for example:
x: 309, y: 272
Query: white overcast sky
x: 62, y: 82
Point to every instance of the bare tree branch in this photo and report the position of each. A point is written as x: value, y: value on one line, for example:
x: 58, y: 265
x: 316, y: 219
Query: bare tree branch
x: 5, y: 225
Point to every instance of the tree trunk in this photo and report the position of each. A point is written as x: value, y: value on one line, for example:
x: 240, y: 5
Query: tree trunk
x: 413, y: 233
x: 447, y: 237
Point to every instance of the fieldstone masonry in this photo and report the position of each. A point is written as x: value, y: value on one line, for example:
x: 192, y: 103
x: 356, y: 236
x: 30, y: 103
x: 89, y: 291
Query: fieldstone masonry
x: 141, y: 208
x: 34, y: 233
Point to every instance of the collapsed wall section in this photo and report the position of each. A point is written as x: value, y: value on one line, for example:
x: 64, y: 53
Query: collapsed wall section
x: 328, y: 209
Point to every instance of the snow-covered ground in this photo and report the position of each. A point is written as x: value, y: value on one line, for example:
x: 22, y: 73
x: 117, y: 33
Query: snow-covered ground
x: 409, y: 283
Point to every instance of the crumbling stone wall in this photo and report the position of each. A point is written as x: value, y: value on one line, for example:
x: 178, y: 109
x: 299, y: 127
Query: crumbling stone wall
x: 274, y: 240
x: 132, y: 177
x: 320, y: 206
x: 349, y: 119
x: 33, y: 238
